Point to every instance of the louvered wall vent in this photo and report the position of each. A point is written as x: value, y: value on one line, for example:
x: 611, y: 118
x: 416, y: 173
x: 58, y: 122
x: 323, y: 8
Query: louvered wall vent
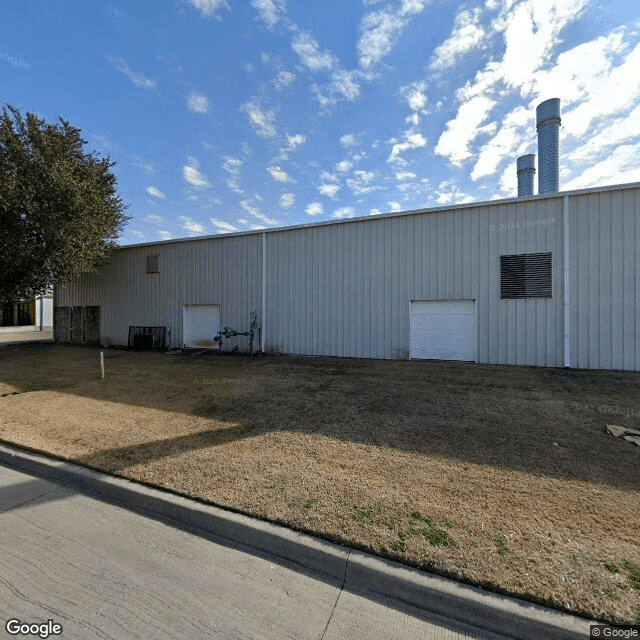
x: 152, y: 264
x: 525, y: 276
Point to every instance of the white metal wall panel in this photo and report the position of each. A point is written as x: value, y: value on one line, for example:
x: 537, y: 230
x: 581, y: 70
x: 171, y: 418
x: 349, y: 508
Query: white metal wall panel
x: 360, y: 276
x: 605, y: 279
x: 226, y: 270
x: 201, y: 323
x: 443, y: 329
x: 344, y: 288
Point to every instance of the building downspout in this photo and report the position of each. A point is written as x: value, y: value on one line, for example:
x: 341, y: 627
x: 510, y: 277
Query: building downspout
x: 53, y: 320
x: 264, y: 291
x: 567, y: 290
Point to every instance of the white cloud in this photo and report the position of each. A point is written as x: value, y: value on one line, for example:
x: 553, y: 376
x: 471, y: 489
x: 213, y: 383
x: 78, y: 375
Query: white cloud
x: 408, y: 7
x: 394, y: 206
x: 460, y: 132
x: 163, y: 234
x: 198, y: 103
x: 361, y: 183
x: 284, y: 79
x: 148, y: 167
x: 154, y: 218
x: 314, y: 209
x: 412, y: 140
x: 194, y: 228
x: 329, y: 190
x: 620, y: 167
x: 531, y: 26
x: 342, y: 85
x: 103, y: 144
x: 138, y: 79
x: 505, y: 143
x: 295, y: 141
x: 415, y: 95
x: 137, y: 234
x: 232, y: 166
x: 613, y: 91
x: 375, y: 212
x: 270, y: 11
x: 580, y: 73
x: 466, y: 36
x: 345, y: 85
x: 287, y: 200
x: 279, y: 174
x: 325, y: 176
x: 344, y: 166
x: 308, y: 50
x: 262, y: 120
x: 609, y: 136
x: 192, y: 174
x: 405, y: 175
x: 344, y: 212
x: 156, y: 193
x: 349, y: 140
x: 209, y: 8
x: 380, y: 30
x: 254, y: 212
x: 598, y: 86
x: 448, y: 191
x: 222, y: 225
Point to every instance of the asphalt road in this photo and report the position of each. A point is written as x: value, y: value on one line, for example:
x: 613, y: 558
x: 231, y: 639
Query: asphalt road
x: 102, y: 571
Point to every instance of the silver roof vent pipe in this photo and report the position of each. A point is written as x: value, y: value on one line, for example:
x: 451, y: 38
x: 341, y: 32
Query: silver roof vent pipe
x: 526, y: 171
x: 548, y: 125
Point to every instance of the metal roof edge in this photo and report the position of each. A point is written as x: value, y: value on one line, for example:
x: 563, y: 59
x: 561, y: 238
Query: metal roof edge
x: 391, y: 214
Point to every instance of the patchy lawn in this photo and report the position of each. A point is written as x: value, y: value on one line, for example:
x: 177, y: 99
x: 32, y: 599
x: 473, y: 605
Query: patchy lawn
x: 498, y: 476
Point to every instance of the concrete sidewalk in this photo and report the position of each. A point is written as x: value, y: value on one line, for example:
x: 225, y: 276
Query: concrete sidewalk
x: 108, y: 558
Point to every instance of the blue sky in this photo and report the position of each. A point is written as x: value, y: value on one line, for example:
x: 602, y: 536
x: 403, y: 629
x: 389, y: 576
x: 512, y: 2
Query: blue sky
x: 226, y: 116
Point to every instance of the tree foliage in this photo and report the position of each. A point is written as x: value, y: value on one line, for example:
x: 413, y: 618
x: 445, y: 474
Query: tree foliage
x: 60, y: 214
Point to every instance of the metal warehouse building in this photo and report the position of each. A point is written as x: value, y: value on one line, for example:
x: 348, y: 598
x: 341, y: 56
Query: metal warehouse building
x: 547, y: 280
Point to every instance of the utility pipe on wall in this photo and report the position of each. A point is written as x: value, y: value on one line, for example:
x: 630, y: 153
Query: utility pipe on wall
x: 264, y: 291
x: 567, y: 291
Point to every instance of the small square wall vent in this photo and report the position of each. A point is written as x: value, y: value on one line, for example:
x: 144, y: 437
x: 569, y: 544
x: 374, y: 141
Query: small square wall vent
x: 152, y: 264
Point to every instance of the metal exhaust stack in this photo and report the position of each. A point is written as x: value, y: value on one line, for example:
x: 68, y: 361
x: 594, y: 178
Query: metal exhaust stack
x: 526, y: 171
x: 548, y: 125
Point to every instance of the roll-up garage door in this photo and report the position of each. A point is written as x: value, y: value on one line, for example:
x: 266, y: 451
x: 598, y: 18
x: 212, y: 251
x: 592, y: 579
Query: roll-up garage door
x: 201, y: 323
x: 443, y: 329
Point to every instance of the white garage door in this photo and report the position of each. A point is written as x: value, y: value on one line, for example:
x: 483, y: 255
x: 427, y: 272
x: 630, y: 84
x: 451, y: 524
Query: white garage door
x: 201, y: 322
x: 443, y: 329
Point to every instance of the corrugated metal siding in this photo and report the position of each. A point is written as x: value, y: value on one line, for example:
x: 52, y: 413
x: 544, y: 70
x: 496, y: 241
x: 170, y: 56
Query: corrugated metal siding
x: 214, y: 271
x: 343, y: 289
x: 605, y: 264
x: 358, y: 277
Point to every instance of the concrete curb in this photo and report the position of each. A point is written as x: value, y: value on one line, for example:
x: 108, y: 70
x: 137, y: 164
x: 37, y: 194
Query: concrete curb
x: 361, y: 573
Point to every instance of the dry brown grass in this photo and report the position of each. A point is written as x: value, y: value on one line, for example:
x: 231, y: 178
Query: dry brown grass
x: 499, y: 476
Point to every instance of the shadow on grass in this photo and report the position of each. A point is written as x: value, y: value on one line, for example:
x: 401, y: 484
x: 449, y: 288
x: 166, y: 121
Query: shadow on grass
x: 548, y: 422
x: 116, y: 459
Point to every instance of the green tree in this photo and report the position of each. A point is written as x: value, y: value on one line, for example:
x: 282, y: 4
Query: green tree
x: 60, y: 214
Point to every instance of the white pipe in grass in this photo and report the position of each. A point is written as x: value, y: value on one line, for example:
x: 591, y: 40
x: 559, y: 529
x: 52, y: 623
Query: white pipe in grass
x: 102, y: 364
